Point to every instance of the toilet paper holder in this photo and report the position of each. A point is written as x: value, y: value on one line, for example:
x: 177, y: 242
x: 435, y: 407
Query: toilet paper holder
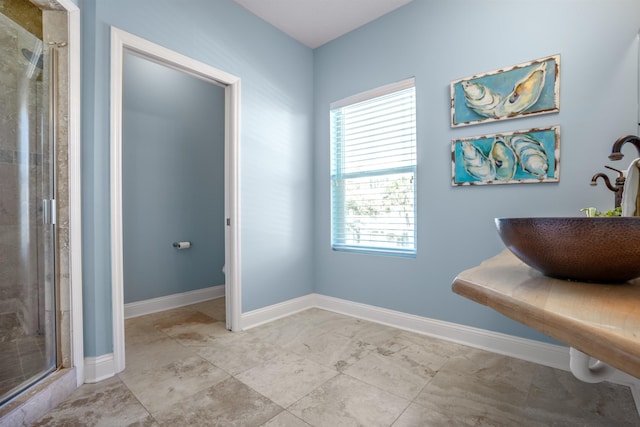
x: 182, y: 245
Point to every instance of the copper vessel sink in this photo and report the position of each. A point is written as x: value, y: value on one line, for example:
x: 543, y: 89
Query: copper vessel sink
x: 601, y: 249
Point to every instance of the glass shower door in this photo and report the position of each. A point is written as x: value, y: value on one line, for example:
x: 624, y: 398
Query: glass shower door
x: 27, y: 211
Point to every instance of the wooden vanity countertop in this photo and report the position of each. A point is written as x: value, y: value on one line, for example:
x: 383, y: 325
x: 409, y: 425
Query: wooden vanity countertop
x: 601, y: 320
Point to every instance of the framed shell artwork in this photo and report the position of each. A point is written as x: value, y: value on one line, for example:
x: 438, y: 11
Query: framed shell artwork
x: 526, y: 89
x: 527, y: 156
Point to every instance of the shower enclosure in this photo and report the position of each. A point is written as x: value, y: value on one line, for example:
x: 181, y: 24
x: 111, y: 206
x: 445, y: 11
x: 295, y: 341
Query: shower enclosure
x: 27, y: 207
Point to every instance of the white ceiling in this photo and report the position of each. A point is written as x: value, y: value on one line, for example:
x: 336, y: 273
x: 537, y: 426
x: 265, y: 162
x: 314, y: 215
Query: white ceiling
x: 316, y: 22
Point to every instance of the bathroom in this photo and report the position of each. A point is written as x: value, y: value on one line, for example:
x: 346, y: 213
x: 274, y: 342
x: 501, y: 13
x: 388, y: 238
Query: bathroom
x: 286, y: 88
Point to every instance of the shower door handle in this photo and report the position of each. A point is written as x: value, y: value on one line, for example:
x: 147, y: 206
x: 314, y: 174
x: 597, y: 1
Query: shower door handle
x: 48, y: 211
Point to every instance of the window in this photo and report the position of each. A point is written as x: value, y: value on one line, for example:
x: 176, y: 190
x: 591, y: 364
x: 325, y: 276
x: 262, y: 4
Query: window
x: 373, y: 171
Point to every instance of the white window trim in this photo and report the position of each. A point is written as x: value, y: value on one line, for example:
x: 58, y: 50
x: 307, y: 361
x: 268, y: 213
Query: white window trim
x: 363, y: 249
x: 374, y: 93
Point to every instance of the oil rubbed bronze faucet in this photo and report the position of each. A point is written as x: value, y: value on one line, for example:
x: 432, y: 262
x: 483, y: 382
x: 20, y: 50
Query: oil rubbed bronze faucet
x: 617, y: 146
x: 616, y: 154
x: 617, y: 189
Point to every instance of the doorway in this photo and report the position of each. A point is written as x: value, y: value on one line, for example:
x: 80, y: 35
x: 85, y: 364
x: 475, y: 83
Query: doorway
x: 127, y: 47
x: 173, y: 187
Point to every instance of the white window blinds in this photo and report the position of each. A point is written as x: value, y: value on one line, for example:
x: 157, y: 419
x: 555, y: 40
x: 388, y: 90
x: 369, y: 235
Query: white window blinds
x: 373, y: 168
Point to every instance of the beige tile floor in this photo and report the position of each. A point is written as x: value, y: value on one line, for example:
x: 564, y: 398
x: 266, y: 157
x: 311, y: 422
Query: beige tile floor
x: 319, y: 368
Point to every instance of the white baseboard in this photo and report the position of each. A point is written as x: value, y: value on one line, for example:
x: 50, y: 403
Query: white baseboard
x: 98, y: 368
x: 554, y: 356
x: 154, y: 305
x: 551, y: 355
x: 270, y: 313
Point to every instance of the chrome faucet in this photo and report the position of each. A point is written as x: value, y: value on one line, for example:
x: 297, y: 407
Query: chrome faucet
x: 617, y: 146
x: 617, y: 189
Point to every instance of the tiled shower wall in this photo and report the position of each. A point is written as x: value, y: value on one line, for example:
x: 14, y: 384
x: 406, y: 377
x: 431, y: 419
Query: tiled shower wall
x: 21, y: 175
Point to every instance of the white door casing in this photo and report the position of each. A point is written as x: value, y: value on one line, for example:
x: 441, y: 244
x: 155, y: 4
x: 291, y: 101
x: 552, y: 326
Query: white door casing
x: 122, y: 41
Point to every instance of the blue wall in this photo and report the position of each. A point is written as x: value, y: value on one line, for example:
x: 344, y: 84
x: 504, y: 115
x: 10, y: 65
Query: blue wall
x: 173, y: 180
x: 286, y: 91
x: 276, y: 143
x: 437, y: 42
